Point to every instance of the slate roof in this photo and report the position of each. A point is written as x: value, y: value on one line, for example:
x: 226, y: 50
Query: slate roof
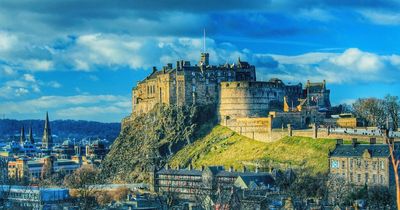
x: 348, y: 150
x: 215, y: 170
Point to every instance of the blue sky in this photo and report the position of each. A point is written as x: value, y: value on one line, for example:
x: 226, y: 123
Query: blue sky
x: 80, y: 59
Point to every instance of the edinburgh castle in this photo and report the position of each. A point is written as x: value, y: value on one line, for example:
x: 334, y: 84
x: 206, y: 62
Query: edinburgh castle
x: 243, y: 103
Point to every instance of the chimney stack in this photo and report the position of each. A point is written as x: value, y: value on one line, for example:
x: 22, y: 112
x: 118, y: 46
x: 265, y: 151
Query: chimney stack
x: 190, y: 167
x: 202, y: 168
x: 372, y: 140
x: 244, y: 169
x: 339, y: 141
x: 231, y: 169
x: 354, y: 141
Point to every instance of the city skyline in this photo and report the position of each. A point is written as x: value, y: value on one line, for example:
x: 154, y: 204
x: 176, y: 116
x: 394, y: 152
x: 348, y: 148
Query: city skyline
x: 81, y: 63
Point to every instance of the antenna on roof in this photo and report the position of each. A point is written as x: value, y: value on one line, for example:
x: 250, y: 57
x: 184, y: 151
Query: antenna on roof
x: 204, y: 40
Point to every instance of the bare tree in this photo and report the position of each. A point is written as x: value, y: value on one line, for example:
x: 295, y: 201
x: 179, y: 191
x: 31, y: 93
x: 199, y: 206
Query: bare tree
x: 392, y: 109
x: 83, y: 181
x: 338, y: 189
x: 395, y: 163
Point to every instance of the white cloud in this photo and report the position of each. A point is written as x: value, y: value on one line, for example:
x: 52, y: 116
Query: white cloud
x: 7, y: 41
x: 38, y: 65
x: 95, y: 107
x: 351, y: 66
x: 54, y: 84
x: 381, y: 17
x: 316, y: 14
x: 357, y: 60
x: 29, y: 78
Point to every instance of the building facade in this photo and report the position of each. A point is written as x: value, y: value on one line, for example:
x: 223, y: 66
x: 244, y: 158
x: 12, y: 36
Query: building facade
x: 24, y: 168
x: 187, y: 184
x: 187, y: 84
x: 362, y: 164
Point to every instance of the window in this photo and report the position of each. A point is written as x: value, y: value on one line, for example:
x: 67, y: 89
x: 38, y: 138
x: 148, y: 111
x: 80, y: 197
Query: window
x: 381, y: 178
x: 366, y: 164
x: 351, y: 176
x: 358, y: 177
x: 382, y: 164
x: 334, y: 164
x: 343, y: 164
x: 366, y: 177
x: 351, y: 163
x: 373, y: 178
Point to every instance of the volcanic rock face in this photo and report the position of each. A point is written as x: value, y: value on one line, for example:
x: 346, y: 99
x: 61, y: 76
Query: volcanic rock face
x: 146, y: 142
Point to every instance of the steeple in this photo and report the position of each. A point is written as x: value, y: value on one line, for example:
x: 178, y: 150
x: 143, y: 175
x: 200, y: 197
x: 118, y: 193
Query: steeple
x: 31, y: 140
x: 22, y: 136
x: 47, y: 141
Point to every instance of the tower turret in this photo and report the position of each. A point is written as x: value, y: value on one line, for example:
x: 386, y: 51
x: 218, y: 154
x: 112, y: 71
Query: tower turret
x: 31, y: 139
x: 47, y: 140
x: 22, y: 136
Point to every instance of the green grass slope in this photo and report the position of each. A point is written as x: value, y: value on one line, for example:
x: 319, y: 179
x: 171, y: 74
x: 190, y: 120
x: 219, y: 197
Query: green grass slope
x: 223, y: 146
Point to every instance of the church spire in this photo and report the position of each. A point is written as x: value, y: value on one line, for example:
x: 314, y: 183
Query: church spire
x: 47, y: 140
x: 31, y: 140
x: 22, y: 136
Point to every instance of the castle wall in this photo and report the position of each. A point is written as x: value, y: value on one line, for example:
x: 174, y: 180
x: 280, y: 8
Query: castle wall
x: 298, y: 120
x: 247, y: 99
x: 254, y: 128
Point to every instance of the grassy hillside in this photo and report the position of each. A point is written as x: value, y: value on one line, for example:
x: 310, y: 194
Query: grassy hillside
x: 223, y: 146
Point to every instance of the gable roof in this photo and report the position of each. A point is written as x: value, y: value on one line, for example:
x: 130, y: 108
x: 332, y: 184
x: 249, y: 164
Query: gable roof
x: 348, y: 150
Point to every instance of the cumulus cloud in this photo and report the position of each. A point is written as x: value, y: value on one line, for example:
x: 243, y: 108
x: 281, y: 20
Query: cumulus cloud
x: 381, y: 17
x: 351, y: 67
x: 72, y: 107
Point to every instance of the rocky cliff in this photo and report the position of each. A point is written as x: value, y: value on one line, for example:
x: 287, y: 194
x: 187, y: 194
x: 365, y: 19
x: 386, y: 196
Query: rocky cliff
x: 150, y: 140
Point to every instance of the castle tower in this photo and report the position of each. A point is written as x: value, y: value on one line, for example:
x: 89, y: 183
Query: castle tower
x: 22, y: 136
x: 204, y: 59
x: 47, y: 141
x: 31, y: 140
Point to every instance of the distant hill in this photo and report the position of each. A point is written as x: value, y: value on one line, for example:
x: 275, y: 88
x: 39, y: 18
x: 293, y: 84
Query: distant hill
x: 61, y: 128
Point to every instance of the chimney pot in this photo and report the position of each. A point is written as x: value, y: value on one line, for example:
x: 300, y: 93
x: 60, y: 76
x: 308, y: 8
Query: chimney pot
x: 354, y: 141
x: 372, y: 141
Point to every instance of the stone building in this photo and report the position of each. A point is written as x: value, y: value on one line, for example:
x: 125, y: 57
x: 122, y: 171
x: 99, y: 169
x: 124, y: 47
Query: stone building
x: 187, y: 84
x: 361, y: 164
x: 189, y: 184
x: 32, y: 168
